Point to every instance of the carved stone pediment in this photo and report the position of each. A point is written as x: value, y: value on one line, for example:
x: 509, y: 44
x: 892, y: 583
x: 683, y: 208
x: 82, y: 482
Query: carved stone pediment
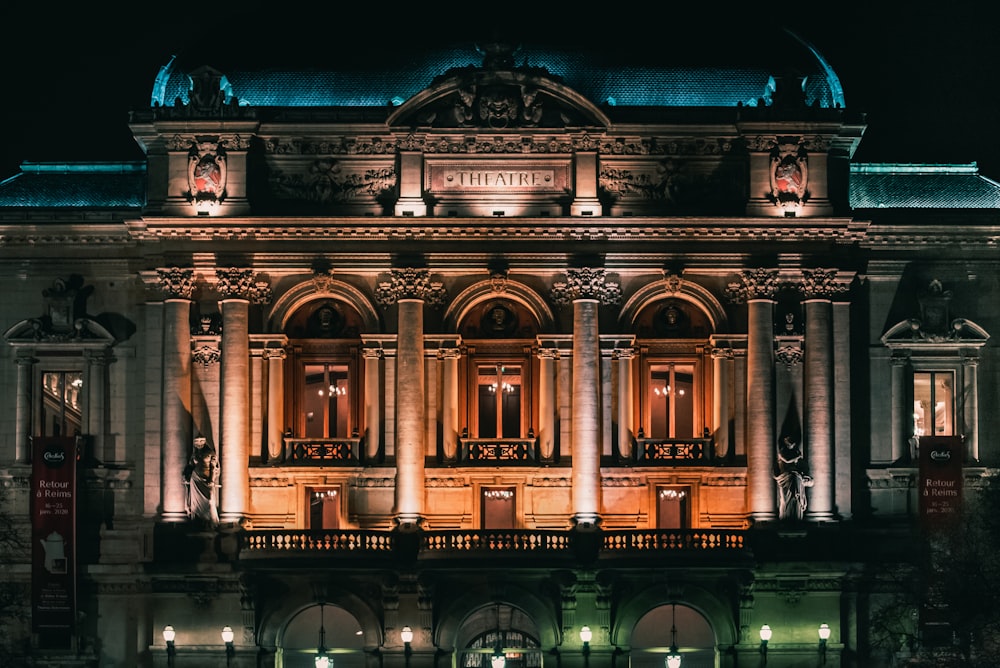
x: 497, y: 99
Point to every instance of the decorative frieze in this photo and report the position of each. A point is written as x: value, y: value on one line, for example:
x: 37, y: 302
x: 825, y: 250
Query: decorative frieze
x: 410, y: 283
x: 586, y: 283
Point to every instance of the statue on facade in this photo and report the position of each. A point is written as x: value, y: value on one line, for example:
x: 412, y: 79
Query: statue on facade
x: 201, y: 477
x: 792, y: 481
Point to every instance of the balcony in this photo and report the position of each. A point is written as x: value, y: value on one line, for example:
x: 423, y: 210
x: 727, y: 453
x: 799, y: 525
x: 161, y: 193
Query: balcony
x: 505, y: 546
x: 322, y: 451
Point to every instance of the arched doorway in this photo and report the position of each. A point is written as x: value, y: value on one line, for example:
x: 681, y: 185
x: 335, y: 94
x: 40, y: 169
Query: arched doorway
x: 652, y: 638
x: 331, y: 626
x: 499, y: 629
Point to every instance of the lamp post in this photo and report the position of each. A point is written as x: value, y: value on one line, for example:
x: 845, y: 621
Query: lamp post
x: 406, y: 635
x: 227, y: 637
x: 585, y: 637
x: 824, y: 635
x: 765, y: 635
x: 168, y: 637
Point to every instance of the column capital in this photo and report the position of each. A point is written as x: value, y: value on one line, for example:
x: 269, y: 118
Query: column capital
x: 753, y: 284
x: 821, y: 284
x: 273, y: 353
x: 238, y: 283
x: 175, y: 282
x: 586, y: 283
x: 410, y: 283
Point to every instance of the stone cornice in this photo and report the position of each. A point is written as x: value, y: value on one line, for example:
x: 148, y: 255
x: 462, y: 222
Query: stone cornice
x: 395, y: 229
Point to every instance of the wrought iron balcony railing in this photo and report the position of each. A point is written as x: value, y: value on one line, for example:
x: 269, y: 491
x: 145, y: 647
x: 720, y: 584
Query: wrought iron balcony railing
x: 322, y: 451
x: 499, y: 451
x: 674, y: 451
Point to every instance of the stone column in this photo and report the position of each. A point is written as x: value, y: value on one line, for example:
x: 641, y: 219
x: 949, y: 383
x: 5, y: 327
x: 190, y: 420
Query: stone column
x: 722, y: 360
x: 547, y: 358
x: 586, y: 289
x: 970, y: 415
x: 757, y: 288
x: 817, y: 287
x: 178, y: 285
x: 22, y: 418
x: 843, y: 496
x: 373, y: 392
x: 97, y: 406
x: 409, y: 289
x: 626, y: 404
x: 237, y: 290
x: 449, y: 409
x: 275, y: 403
x: 901, y: 426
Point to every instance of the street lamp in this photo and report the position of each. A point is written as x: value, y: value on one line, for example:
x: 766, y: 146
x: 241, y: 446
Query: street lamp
x: 824, y: 635
x: 406, y: 635
x: 227, y: 637
x: 585, y: 636
x: 765, y: 635
x: 673, y: 659
x: 168, y: 637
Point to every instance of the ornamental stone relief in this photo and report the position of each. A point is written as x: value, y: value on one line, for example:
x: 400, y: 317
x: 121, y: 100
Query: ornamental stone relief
x: 330, y: 181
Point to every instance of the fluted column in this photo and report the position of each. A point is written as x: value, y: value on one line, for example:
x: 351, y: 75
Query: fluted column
x: 817, y: 287
x: 722, y: 360
x: 178, y: 286
x: 373, y: 393
x: 757, y: 288
x: 237, y: 290
x: 449, y: 402
x: 901, y: 419
x: 97, y: 406
x: 275, y: 403
x: 22, y: 417
x: 970, y: 367
x: 586, y: 289
x: 409, y: 289
x: 626, y: 403
x: 547, y: 358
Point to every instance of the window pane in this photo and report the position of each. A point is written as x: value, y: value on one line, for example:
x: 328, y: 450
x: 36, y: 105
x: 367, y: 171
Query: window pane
x: 498, y: 508
x: 933, y: 403
x: 325, y: 401
x: 671, y: 401
x: 61, y: 407
x: 672, y: 508
x: 499, y: 395
x: 324, y: 509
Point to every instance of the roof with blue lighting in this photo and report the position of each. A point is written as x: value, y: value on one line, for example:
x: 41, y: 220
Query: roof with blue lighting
x: 915, y: 186
x: 603, y: 79
x: 84, y: 185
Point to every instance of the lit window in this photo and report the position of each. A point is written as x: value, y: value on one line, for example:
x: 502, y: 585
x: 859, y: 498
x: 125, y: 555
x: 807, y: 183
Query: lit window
x: 672, y: 508
x: 671, y: 401
x: 499, y: 395
x: 933, y: 403
x: 324, y: 508
x: 61, y: 403
x: 325, y: 403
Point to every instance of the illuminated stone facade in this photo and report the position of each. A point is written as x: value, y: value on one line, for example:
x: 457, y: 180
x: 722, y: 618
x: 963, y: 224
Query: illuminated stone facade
x: 500, y: 360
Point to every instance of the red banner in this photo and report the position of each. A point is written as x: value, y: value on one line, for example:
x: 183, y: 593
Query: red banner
x: 53, y: 540
x: 940, y: 483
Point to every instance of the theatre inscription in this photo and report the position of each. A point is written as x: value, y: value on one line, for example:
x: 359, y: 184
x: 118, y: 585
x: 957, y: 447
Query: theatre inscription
x: 488, y: 179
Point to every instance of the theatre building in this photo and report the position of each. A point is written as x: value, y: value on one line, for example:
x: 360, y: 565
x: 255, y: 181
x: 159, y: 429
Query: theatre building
x: 498, y: 356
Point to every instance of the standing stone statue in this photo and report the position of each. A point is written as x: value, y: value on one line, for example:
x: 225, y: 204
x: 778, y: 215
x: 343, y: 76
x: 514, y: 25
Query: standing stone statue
x: 201, y: 476
x: 792, y: 481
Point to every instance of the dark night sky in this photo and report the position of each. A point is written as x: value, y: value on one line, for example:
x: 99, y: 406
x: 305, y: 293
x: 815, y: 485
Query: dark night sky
x: 929, y: 80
